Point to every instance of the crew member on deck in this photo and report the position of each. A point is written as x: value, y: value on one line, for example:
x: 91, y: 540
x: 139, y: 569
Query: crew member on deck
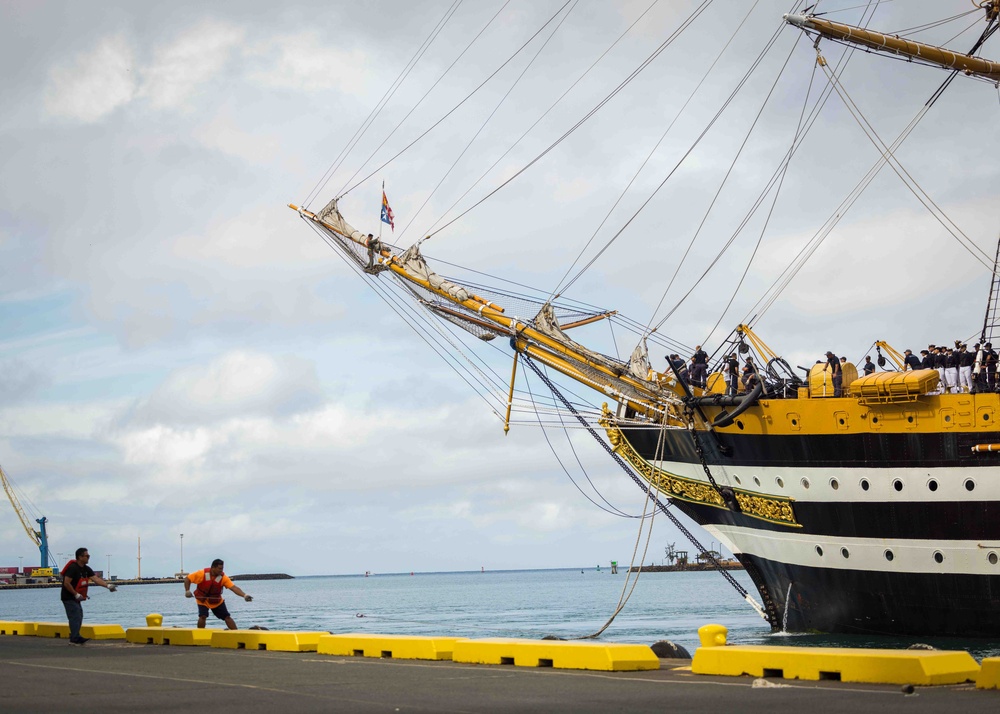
x: 911, y: 361
x: 833, y: 366
x: 965, y: 360
x: 869, y: 366
x: 990, y: 357
x: 699, y: 367
x: 733, y: 373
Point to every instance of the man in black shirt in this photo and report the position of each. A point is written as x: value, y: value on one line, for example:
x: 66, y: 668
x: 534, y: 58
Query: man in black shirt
x: 833, y: 365
x: 990, y: 357
x: 733, y: 373
x: 869, y: 366
x: 910, y: 361
x: 699, y: 367
x: 76, y: 577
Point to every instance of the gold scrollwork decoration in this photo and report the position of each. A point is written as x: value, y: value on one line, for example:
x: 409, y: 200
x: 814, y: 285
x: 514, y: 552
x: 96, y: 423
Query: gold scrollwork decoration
x: 767, y: 508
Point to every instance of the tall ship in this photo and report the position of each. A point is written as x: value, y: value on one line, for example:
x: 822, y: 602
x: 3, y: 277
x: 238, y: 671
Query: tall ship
x: 858, y: 501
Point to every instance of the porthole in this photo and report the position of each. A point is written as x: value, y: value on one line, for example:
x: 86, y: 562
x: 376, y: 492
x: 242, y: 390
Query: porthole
x: 992, y: 557
x: 819, y: 551
x: 874, y: 420
x: 780, y: 481
x: 898, y: 485
x: 795, y: 422
x: 947, y: 417
x: 938, y: 556
x: 865, y: 485
x: 970, y: 485
x: 834, y: 484
x: 845, y: 552
x: 932, y: 485
x: 889, y: 556
x: 739, y: 424
x: 986, y: 416
x: 909, y: 419
x: 805, y: 483
x: 737, y: 480
x: 756, y: 481
x: 842, y: 422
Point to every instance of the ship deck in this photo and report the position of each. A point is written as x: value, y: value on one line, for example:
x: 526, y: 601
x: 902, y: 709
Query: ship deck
x: 117, y: 676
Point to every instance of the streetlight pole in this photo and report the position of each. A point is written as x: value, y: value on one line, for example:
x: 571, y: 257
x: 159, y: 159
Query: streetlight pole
x: 109, y: 566
x: 20, y: 564
x: 182, y: 555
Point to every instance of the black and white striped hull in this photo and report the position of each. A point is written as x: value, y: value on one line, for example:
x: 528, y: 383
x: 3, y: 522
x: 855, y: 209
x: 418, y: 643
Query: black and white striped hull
x: 897, y: 540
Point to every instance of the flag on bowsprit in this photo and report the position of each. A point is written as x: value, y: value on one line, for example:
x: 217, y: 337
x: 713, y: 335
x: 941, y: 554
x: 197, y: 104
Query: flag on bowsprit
x: 387, y: 212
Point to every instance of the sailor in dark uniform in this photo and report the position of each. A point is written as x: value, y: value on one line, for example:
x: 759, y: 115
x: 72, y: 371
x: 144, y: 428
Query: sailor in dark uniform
x: 940, y: 359
x: 990, y: 357
x: 911, y: 361
x: 699, y: 367
x: 965, y: 361
x: 926, y: 361
x: 733, y: 373
x: 833, y: 365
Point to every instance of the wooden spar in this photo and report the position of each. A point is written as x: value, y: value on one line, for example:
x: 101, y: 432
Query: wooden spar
x: 975, y: 66
x: 510, y: 395
x: 588, y: 320
x: 555, y: 355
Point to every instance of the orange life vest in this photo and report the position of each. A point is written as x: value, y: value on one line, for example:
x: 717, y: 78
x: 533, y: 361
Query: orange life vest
x: 82, y: 584
x: 209, y: 592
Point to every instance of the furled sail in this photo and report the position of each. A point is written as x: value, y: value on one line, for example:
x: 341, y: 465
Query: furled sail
x: 974, y: 66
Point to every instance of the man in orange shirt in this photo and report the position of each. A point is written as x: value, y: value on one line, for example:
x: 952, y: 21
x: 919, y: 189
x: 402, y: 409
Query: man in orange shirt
x: 210, y: 583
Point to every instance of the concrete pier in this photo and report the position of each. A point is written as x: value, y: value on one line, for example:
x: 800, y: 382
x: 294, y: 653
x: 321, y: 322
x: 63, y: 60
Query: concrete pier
x: 42, y: 673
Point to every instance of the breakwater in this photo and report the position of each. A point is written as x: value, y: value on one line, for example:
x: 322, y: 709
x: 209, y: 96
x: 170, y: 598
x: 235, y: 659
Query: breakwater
x: 151, y: 581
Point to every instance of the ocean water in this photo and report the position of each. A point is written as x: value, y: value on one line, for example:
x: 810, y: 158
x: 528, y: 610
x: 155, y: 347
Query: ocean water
x: 567, y: 603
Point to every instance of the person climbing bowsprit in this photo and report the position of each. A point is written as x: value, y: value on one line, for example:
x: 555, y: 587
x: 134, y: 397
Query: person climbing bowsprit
x: 374, y: 248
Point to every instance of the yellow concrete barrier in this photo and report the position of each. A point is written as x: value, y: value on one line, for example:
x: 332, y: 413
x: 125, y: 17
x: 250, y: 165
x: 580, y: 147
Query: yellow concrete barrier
x: 9, y: 627
x: 186, y: 636
x: 602, y: 656
x: 52, y: 629
x: 989, y: 675
x: 354, y: 644
x: 271, y: 640
x: 145, y: 635
x: 102, y: 632
x: 875, y: 666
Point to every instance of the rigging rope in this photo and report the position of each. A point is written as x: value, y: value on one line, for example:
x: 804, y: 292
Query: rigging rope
x: 645, y: 63
x: 664, y: 508
x: 558, y: 289
x: 783, y: 167
x: 783, y: 280
x: 455, y: 108
x: 722, y: 185
x: 373, y: 114
x: 697, y: 141
x: 430, y: 230
x: 479, y: 131
x: 427, y: 93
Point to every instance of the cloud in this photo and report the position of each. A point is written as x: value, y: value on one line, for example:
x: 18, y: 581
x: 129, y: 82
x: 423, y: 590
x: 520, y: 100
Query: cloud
x: 93, y: 84
x: 195, y: 58
x: 237, y: 384
x: 308, y: 62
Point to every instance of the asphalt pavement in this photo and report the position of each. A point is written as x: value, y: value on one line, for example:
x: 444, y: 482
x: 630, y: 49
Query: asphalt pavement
x: 48, y: 674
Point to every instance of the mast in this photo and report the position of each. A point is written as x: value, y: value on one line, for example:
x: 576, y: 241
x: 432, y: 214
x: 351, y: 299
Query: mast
x: 990, y: 321
x: 973, y: 66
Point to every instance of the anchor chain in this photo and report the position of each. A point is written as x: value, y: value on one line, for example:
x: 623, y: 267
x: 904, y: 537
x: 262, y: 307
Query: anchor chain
x: 726, y: 493
x: 769, y: 613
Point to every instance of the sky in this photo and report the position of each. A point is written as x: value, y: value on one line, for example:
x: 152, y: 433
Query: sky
x: 180, y: 353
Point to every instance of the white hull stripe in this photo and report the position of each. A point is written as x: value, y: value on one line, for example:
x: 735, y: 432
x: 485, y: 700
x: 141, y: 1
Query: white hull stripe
x: 908, y: 555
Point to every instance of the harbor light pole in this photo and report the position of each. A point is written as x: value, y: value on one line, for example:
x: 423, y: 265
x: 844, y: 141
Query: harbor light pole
x: 109, y: 566
x: 182, y: 555
x: 20, y: 564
